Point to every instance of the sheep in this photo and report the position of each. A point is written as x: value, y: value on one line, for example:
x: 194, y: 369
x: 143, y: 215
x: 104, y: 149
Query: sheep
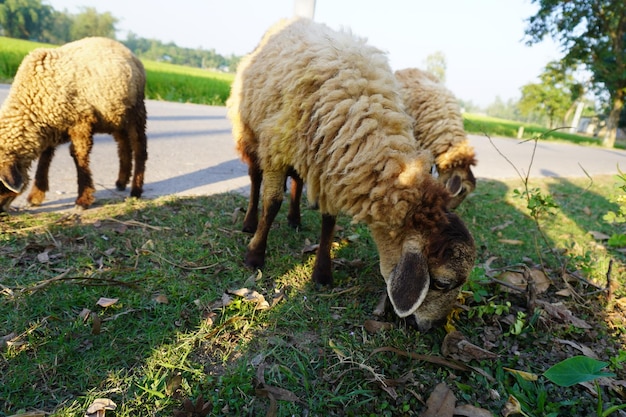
x: 439, y: 127
x: 94, y: 85
x: 324, y: 105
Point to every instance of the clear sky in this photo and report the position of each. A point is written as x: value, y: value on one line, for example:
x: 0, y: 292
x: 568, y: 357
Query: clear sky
x: 482, y: 40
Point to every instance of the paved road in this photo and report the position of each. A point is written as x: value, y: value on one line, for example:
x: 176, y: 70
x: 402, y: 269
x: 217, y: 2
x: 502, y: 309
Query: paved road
x: 190, y: 152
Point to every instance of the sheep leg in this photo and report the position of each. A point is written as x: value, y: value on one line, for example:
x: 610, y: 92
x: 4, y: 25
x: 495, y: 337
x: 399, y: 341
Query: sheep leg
x: 139, y: 144
x: 82, y: 142
x: 322, y: 270
x: 251, y: 219
x: 124, y: 153
x: 293, y: 216
x: 40, y: 186
x: 272, y: 199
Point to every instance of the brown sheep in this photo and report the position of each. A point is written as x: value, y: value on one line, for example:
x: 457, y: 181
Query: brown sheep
x: 95, y: 85
x: 325, y: 105
x: 439, y: 128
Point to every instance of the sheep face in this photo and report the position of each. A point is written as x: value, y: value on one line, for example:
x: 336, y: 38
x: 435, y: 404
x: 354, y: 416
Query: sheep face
x: 424, y: 274
x: 460, y: 182
x: 11, y: 184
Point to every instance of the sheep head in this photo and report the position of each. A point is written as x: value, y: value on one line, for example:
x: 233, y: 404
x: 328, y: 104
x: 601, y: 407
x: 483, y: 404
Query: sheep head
x: 424, y: 270
x: 11, y: 184
x: 460, y: 182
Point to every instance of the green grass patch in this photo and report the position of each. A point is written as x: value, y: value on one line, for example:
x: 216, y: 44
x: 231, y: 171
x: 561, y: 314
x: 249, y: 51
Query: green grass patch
x: 493, y: 126
x: 169, y: 338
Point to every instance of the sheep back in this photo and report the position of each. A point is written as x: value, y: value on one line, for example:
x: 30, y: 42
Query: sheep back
x: 326, y: 104
x: 94, y: 85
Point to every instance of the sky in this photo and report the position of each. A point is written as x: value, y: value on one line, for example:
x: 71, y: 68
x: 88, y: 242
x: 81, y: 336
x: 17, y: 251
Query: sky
x: 482, y: 40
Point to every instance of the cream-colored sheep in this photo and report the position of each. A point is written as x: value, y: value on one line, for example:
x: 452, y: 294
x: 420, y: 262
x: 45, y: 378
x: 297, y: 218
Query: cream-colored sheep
x: 95, y: 85
x: 325, y: 105
x: 439, y: 128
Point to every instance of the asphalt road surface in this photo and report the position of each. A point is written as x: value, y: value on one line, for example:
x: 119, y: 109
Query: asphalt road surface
x: 191, y: 152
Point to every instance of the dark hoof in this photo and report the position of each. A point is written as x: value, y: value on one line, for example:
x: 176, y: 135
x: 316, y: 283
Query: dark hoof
x: 120, y: 186
x: 322, y: 279
x: 254, y: 260
x: 248, y: 229
x: 136, y: 193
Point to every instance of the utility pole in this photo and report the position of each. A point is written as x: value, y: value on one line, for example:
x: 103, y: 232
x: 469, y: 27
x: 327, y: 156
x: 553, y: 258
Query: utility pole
x: 304, y: 8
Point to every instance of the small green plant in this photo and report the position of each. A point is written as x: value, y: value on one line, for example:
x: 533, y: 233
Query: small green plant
x: 537, y: 203
x: 579, y: 369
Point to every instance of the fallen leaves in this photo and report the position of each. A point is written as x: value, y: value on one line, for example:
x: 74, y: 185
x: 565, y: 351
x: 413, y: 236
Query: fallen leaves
x: 99, y: 407
x: 456, y: 346
x: 442, y: 403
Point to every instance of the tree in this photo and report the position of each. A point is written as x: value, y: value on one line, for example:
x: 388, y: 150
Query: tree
x: 592, y: 33
x: 91, y: 23
x: 436, y: 65
x: 554, y: 97
x: 23, y: 19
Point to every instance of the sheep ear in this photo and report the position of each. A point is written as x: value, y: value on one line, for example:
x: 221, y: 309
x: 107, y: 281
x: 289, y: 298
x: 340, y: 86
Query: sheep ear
x: 11, y: 178
x: 454, y: 185
x: 408, y: 283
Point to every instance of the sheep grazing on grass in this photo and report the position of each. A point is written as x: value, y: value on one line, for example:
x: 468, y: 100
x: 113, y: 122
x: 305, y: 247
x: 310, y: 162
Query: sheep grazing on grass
x: 324, y: 105
x: 95, y: 85
x: 439, y: 128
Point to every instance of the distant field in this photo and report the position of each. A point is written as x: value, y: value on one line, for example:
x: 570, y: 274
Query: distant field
x: 194, y: 85
x: 493, y: 126
x: 164, y: 81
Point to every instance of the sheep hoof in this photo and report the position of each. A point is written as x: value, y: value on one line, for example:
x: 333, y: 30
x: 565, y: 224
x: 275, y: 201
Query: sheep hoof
x: 120, y: 186
x: 254, y: 260
x: 248, y: 228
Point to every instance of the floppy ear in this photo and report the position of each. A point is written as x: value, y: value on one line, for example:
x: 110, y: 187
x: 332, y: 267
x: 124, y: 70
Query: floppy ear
x: 11, y: 178
x: 408, y: 283
x: 454, y: 185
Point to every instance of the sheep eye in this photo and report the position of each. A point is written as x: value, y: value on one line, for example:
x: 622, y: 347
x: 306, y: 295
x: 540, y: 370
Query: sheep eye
x: 441, y: 286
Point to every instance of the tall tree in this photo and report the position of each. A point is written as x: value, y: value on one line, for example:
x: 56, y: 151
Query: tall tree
x: 91, y: 23
x: 436, y: 65
x: 592, y: 33
x: 23, y: 19
x: 554, y: 96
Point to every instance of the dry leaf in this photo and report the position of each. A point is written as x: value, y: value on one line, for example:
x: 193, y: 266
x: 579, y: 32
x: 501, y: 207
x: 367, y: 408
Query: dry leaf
x: 106, y: 302
x: 99, y: 407
x: 526, y: 376
x: 565, y: 292
x: 584, y: 349
x: 541, y: 280
x: 587, y: 211
x: 252, y: 296
x: 440, y: 403
x: 96, y: 324
x: 43, y: 257
x: 559, y: 312
x: 468, y: 410
x: 373, y: 326
x: 511, y: 241
x: 511, y: 407
x: 84, y: 314
x: 161, y: 299
x: 501, y: 226
x: 456, y: 346
x: 599, y: 235
x: 516, y: 279
x: 173, y: 384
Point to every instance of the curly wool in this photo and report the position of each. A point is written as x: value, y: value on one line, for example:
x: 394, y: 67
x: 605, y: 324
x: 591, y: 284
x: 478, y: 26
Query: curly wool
x: 438, y: 121
x: 94, y: 80
x: 326, y: 104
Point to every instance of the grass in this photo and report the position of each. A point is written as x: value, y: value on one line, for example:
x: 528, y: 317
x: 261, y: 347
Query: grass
x: 494, y: 126
x: 176, y: 332
x: 168, y: 338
